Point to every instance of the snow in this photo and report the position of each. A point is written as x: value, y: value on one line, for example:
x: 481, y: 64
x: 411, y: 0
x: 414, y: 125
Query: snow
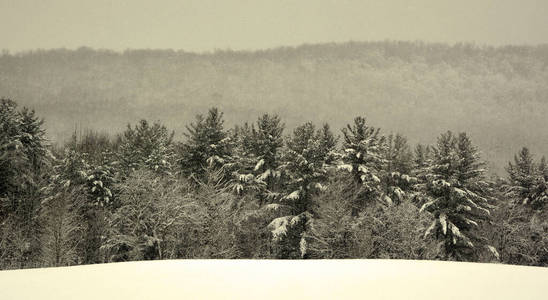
x: 271, y: 279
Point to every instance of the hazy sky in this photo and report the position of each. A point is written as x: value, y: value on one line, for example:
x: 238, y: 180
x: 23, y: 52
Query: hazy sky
x: 204, y: 25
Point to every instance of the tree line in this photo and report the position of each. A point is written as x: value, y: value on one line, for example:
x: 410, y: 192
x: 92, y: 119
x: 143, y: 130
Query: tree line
x: 257, y: 191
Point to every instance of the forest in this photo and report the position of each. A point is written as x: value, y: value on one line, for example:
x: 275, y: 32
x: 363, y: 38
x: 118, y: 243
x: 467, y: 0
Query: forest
x: 258, y: 190
x: 497, y: 95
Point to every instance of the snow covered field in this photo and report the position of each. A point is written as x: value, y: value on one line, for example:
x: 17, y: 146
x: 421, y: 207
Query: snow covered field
x: 244, y: 279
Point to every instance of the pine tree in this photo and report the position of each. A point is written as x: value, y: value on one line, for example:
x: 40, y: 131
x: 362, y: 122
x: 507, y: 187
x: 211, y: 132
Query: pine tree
x: 24, y: 163
x: 241, y: 163
x: 257, y: 156
x: 146, y: 145
x: 305, y: 165
x: 396, y: 179
x: 34, y: 140
x: 14, y: 165
x: 328, y: 143
x: 362, y: 156
x: 527, y: 181
x: 422, y: 158
x: 305, y: 169
x: 521, y: 173
x: 267, y: 141
x: 88, y: 168
x: 541, y: 191
x: 543, y: 168
x: 458, y: 196
x: 207, y: 144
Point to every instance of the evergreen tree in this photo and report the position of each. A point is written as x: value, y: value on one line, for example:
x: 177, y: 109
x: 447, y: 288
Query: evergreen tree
x: 305, y: 165
x: 257, y: 155
x: 543, y: 168
x: 147, y: 146
x: 421, y: 161
x: 88, y: 168
x: 396, y: 179
x: 328, y: 143
x: 362, y: 156
x: 34, y: 140
x: 304, y: 169
x: 24, y: 159
x: 24, y: 162
x: 458, y: 196
x: 541, y: 191
x: 421, y: 157
x: 527, y: 181
x: 14, y: 168
x: 240, y: 164
x: 207, y: 144
x: 267, y: 141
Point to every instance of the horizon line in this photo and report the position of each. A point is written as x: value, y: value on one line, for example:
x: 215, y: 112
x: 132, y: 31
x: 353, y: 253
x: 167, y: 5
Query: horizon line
x: 474, y: 44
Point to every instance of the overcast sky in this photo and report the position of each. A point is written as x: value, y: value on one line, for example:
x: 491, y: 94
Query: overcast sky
x: 204, y: 25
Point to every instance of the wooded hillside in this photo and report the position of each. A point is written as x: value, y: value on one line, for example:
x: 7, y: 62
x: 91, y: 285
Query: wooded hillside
x: 499, y: 96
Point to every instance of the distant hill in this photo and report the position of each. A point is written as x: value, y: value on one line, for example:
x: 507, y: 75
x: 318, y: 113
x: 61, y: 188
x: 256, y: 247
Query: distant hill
x: 498, y: 95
